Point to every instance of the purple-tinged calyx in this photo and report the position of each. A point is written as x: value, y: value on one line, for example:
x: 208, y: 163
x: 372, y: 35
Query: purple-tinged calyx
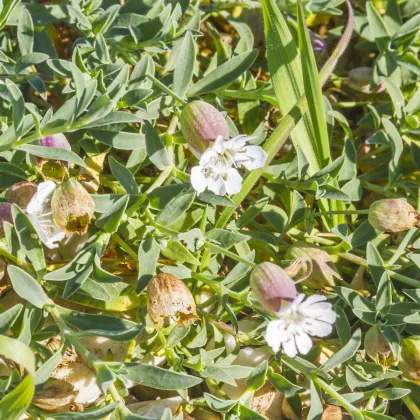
x: 272, y: 286
x: 201, y: 124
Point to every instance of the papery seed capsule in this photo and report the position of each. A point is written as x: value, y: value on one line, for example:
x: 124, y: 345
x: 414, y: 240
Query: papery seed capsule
x: 50, y: 169
x: 393, y: 215
x: 72, y: 207
x: 360, y: 80
x: 169, y: 298
x: 202, y: 123
x: 5, y: 216
x: 22, y: 193
x: 378, y: 348
x: 323, y: 271
x: 272, y: 286
x: 409, y: 363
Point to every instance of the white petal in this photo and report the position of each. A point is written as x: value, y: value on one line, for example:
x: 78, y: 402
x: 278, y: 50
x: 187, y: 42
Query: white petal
x: 313, y: 299
x: 290, y: 348
x: 236, y: 143
x: 318, y: 328
x: 256, y: 157
x: 273, y: 336
x: 198, y: 181
x: 303, y: 343
x: 44, y: 191
x: 233, y: 181
x: 217, y: 185
x: 219, y: 146
x: 208, y: 157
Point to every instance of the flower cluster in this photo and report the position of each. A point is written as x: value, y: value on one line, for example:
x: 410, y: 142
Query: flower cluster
x: 218, y: 171
x: 206, y: 132
x: 297, y: 319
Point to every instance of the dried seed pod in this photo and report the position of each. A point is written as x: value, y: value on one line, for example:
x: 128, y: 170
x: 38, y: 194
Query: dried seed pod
x: 272, y: 286
x: 54, y: 170
x: 360, y: 80
x: 57, y: 396
x: 393, y: 215
x: 5, y: 216
x: 169, y: 297
x: 83, y: 379
x: 323, y: 271
x: 409, y: 363
x: 22, y: 193
x: 72, y: 207
x: 202, y: 123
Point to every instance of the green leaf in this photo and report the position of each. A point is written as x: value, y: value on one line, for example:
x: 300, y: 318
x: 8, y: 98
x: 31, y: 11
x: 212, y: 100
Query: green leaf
x: 344, y: 354
x: 393, y: 393
x: 44, y: 372
x: 375, y: 262
x: 8, y: 318
x: 15, y: 403
x: 224, y: 74
x: 29, y: 60
x: 27, y: 287
x: 28, y: 240
x: 219, y: 405
x: 378, y: 28
x: 316, y: 410
x: 120, y: 139
x: 89, y: 414
x: 123, y: 175
x: 19, y: 352
x: 226, y: 238
x: 176, y: 208
x: 158, y: 378
x: 156, y: 149
x: 185, y: 66
x: 257, y: 377
x: 110, y: 220
x: 384, y: 293
x: 25, y: 32
x: 53, y: 153
x: 342, y: 325
x: 396, y: 96
x: 117, y: 329
x: 313, y: 91
x: 284, y: 385
x: 148, y: 256
x: 18, y: 105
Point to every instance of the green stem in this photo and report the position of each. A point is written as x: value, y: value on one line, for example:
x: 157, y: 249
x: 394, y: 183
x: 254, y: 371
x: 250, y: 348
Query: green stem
x: 361, y: 261
x: 165, y: 88
x: 327, y: 213
x: 124, y: 246
x: 351, y: 409
x: 415, y: 411
x: 220, y: 250
x: 163, y: 176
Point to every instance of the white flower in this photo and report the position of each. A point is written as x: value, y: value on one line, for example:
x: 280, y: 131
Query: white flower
x: 297, y: 322
x: 217, y: 169
x: 40, y: 214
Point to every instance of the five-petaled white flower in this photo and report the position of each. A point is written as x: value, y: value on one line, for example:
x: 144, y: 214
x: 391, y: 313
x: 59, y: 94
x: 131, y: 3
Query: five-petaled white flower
x: 40, y: 214
x: 297, y: 322
x: 217, y: 169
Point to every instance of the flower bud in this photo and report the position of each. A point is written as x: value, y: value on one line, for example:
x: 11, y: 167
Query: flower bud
x: 409, y: 363
x: 202, y: 123
x: 72, y: 207
x: 323, y: 269
x: 393, y: 215
x: 54, y: 170
x: 272, y: 286
x: 169, y: 298
x: 22, y: 193
x: 360, y: 80
x: 5, y: 216
x: 378, y: 348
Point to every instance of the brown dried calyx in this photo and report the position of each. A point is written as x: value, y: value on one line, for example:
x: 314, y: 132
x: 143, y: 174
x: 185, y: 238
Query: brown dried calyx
x: 169, y: 298
x: 57, y: 396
